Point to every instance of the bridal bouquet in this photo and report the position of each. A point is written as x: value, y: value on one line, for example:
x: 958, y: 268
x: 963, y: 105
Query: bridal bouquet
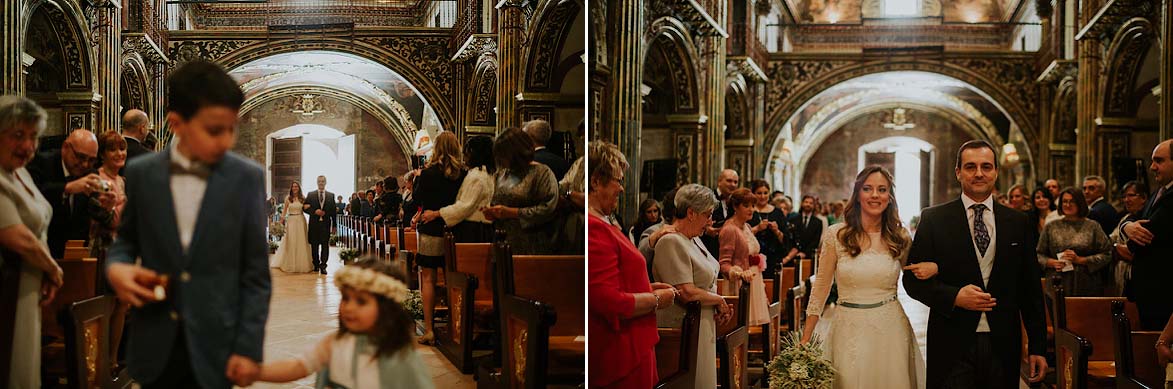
x: 277, y: 229
x: 800, y: 365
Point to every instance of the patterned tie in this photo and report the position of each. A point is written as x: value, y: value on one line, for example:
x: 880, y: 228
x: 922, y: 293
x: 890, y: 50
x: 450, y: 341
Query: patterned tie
x: 981, y: 236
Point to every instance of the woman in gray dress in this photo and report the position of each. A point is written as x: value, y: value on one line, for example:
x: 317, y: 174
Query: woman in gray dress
x: 24, y: 219
x: 1075, y: 246
x: 683, y: 262
x: 525, y: 199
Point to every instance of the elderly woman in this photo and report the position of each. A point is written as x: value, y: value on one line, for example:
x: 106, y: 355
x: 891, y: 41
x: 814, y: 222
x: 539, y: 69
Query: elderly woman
x: 621, y: 318
x: 526, y: 196
x: 682, y: 261
x: 24, y: 253
x: 1136, y: 194
x: 1075, y: 246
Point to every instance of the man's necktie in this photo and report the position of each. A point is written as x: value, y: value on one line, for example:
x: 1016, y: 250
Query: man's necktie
x: 981, y: 236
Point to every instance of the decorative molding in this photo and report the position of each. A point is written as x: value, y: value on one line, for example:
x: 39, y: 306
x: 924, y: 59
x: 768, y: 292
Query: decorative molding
x: 1115, y: 13
x: 137, y: 42
x: 1058, y: 70
x: 1125, y: 58
x: 747, y: 67
x: 855, y: 36
x: 476, y: 46
x: 688, y: 12
x: 545, y: 46
x: 428, y: 54
x: 209, y: 50
x: 684, y: 157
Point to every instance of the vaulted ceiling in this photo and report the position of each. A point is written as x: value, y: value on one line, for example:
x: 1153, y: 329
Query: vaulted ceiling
x: 949, y: 11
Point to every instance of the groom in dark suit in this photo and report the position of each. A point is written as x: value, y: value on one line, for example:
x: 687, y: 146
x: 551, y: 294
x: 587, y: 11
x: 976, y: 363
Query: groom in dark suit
x: 988, y: 277
x: 320, y: 206
x: 195, y: 213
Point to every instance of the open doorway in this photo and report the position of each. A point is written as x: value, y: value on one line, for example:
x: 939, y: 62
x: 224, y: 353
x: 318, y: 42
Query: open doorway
x: 305, y: 151
x: 910, y: 160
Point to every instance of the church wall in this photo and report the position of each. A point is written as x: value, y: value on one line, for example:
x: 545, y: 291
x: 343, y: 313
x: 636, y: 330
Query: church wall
x: 377, y: 153
x: 830, y: 173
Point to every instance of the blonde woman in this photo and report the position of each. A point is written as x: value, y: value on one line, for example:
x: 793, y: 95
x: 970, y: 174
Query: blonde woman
x: 440, y: 183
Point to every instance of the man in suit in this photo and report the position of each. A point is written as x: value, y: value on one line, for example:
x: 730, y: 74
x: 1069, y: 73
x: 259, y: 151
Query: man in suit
x: 134, y: 130
x: 1099, y: 210
x: 809, y: 227
x: 67, y: 179
x: 195, y: 214
x: 540, y: 131
x: 1150, y: 238
x: 988, y: 277
x: 319, y: 204
x: 387, y: 201
x: 727, y: 182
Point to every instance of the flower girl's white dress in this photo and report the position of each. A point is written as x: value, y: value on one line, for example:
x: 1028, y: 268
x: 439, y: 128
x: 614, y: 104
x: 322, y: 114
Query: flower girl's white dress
x: 872, y: 346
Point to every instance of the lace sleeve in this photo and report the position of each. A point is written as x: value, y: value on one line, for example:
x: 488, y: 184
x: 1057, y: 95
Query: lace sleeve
x: 828, y: 258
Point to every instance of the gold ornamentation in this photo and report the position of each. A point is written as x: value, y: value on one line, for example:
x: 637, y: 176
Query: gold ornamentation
x: 457, y: 314
x: 519, y: 349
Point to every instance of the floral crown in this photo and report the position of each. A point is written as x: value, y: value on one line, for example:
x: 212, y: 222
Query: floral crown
x: 372, y: 281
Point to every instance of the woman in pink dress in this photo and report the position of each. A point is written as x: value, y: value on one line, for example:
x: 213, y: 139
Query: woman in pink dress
x: 741, y: 257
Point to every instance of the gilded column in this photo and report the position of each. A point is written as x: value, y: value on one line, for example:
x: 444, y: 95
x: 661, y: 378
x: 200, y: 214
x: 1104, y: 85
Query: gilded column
x: 511, y: 35
x: 623, y: 92
x: 12, y: 47
x: 109, y: 59
x: 1088, y: 103
x: 714, y: 129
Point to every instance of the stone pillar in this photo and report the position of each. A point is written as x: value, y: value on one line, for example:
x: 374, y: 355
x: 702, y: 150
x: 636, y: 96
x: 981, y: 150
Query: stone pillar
x: 1166, y: 104
x: 12, y: 47
x: 510, y: 36
x: 109, y: 60
x: 1088, y: 102
x: 713, y: 136
x: 623, y: 97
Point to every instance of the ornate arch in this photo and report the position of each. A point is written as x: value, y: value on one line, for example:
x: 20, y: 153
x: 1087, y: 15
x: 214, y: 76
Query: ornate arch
x: 737, y: 109
x: 671, y: 38
x: 68, y: 18
x: 134, y: 83
x: 546, y: 40
x: 403, y: 139
x: 422, y: 60
x: 1125, y: 58
x: 1008, y: 83
x: 483, y: 100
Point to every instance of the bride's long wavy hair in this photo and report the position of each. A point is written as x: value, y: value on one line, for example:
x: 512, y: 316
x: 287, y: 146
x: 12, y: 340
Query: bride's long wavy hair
x: 891, y: 229
x: 298, y: 195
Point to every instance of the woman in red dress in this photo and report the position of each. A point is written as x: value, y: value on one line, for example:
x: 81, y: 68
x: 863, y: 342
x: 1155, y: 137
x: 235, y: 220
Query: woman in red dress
x: 621, y: 319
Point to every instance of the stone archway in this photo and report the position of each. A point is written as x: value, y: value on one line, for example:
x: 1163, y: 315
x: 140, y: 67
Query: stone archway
x: 481, y: 106
x: 422, y: 58
x: 136, y: 90
x: 671, y: 122
x: 62, y: 74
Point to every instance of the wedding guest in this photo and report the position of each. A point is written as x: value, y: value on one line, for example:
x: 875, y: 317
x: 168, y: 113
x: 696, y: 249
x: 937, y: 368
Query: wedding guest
x: 621, y: 316
x: 571, y: 207
x: 441, y: 180
x: 539, y: 130
x: 683, y: 262
x: 651, y: 235
x: 1078, y: 242
x: 340, y: 206
x: 410, y: 206
x: 740, y: 256
x: 112, y: 150
x: 135, y: 126
x: 387, y: 201
x: 649, y: 214
x: 228, y: 288
x: 1044, y: 208
x: 1135, y: 195
x: 464, y: 216
x: 368, y: 206
x: 808, y: 226
x: 525, y: 199
x: 66, y: 177
x: 1150, y: 239
x: 1016, y: 198
x: 24, y: 253
x: 372, y: 346
x: 1053, y: 186
x: 769, y: 228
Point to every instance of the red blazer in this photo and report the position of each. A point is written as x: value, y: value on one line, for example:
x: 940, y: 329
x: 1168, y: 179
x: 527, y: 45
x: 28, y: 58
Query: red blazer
x: 617, y: 270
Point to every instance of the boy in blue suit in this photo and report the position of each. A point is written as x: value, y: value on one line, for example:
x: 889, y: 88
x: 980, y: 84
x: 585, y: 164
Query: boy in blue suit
x: 195, y: 213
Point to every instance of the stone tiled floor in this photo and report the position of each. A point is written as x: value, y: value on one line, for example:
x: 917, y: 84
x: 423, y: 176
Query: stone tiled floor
x: 304, y: 308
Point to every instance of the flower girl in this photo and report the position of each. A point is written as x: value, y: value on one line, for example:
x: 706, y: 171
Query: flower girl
x: 373, y: 347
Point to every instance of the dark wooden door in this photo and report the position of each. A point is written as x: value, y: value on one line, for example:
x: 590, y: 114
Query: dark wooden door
x: 286, y: 166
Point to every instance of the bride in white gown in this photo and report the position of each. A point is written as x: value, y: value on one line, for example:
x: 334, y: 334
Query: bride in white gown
x: 293, y: 255
x: 870, y: 341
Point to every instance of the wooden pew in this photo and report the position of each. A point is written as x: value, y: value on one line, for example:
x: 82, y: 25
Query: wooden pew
x: 541, y: 301
x: 469, y: 280
x: 1136, y: 367
x: 87, y: 348
x: 75, y: 243
x: 764, y: 338
x: 406, y: 253
x: 391, y: 243
x: 1081, y: 323
x: 676, y: 356
x: 80, y: 277
x: 733, y: 343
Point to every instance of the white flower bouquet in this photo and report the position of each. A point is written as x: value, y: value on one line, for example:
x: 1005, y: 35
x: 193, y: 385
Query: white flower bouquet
x: 800, y: 366
x: 277, y: 229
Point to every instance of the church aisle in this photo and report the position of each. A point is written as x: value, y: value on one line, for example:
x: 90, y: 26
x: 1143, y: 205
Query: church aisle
x: 304, y: 308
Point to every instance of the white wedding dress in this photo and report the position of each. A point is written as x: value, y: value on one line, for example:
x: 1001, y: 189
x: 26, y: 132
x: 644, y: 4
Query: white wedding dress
x: 869, y: 347
x: 293, y: 255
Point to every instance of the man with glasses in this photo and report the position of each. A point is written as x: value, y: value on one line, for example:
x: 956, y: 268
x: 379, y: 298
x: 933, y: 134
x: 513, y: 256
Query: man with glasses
x: 67, y: 178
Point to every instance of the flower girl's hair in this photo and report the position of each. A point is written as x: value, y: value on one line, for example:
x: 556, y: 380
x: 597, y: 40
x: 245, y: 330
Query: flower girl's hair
x: 394, y: 326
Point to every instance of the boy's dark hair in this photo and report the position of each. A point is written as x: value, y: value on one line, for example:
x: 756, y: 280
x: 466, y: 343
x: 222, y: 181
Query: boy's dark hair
x: 394, y: 327
x: 198, y: 84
